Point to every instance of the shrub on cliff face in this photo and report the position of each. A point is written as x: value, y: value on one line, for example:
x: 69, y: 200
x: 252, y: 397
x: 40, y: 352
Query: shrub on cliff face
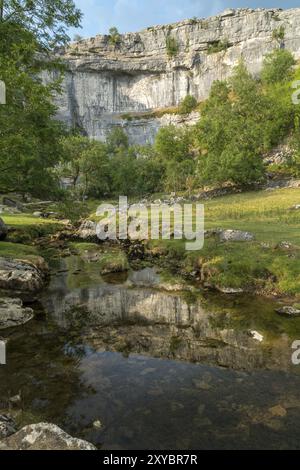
x: 188, y: 105
x: 114, y: 36
x: 172, y: 46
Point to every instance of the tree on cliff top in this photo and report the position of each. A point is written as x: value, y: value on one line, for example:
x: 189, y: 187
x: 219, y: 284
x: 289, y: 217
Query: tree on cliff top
x: 46, y: 19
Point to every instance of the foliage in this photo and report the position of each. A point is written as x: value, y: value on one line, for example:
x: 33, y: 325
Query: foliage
x: 47, y: 20
x: 279, y: 34
x: 172, y: 46
x: 188, y: 104
x: 244, y: 118
x: 218, y: 46
x: 29, y: 144
x: 114, y: 36
x: 278, y: 67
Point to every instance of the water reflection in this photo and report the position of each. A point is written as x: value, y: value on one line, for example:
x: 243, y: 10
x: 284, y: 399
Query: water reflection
x: 157, y: 370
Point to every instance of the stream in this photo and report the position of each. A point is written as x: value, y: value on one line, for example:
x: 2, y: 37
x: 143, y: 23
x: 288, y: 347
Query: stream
x: 122, y: 364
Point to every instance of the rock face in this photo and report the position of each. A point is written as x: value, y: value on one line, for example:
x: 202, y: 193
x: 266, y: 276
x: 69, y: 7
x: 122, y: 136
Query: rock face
x: 20, y: 276
x: 12, y: 313
x: 45, y: 436
x: 106, y: 82
x: 3, y: 230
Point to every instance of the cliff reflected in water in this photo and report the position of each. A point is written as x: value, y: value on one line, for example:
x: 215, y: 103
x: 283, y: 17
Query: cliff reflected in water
x: 158, y: 370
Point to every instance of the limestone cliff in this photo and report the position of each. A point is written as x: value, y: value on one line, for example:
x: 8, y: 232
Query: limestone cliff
x: 104, y: 82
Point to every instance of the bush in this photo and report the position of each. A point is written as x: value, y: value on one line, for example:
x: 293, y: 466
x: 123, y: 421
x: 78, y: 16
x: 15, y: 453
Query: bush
x: 278, y: 67
x: 114, y: 36
x: 218, y: 46
x: 172, y: 46
x: 188, y: 105
x: 279, y: 34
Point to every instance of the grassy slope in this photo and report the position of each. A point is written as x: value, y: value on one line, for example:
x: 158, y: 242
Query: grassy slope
x: 259, y: 265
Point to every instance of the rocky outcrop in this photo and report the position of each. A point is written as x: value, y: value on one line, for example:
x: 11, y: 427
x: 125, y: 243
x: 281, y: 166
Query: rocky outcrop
x: 87, y: 231
x: 3, y: 230
x: 12, y: 313
x: 120, y: 85
x: 44, y: 436
x: 22, y: 276
x: 235, y: 236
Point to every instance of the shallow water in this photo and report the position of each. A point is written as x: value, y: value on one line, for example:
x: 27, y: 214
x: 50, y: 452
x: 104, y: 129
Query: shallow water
x: 158, y: 370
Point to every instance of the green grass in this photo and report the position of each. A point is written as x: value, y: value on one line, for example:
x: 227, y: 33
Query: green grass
x: 27, y: 228
x: 17, y: 251
x: 259, y: 266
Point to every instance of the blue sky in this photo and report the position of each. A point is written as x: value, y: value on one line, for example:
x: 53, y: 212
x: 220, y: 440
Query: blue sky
x: 134, y: 15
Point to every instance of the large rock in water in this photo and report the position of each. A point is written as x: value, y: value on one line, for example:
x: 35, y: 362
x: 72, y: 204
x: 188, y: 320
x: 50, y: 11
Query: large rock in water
x: 44, y: 436
x: 21, y: 275
x: 12, y: 313
x: 3, y: 230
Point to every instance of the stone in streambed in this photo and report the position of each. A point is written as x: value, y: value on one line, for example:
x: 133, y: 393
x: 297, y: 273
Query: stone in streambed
x: 45, y: 436
x: 12, y: 313
x: 21, y: 275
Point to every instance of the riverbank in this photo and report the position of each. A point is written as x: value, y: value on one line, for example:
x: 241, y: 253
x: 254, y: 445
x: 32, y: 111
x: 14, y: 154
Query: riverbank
x: 266, y: 263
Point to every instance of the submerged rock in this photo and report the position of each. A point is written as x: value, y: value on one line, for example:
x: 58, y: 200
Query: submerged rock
x: 236, y: 236
x: 289, y: 311
x: 45, y: 436
x: 21, y: 275
x: 12, y: 313
x: 3, y: 230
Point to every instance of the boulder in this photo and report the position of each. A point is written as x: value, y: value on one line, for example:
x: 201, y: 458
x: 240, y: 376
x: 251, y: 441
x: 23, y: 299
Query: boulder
x: 20, y: 276
x: 288, y: 311
x: 45, y: 436
x: 7, y: 426
x: 236, y: 236
x: 12, y: 313
x: 3, y: 230
x: 87, y: 231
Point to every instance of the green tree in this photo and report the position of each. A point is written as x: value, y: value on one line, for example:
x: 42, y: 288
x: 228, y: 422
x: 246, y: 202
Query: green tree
x: 230, y: 131
x: 188, y: 104
x: 278, y: 67
x: 29, y: 134
x: 114, y: 36
x: 117, y: 139
x: 47, y: 20
x: 173, y: 143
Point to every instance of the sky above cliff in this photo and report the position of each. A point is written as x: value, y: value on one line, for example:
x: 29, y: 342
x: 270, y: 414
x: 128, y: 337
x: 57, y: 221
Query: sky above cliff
x: 134, y: 15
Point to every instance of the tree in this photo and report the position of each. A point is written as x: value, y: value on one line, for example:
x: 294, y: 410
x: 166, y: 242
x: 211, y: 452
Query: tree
x: 47, y: 20
x: 73, y: 147
x: 173, y: 143
x: 231, y: 131
x: 114, y: 36
x: 278, y: 67
x: 29, y: 134
x: 188, y: 105
x: 117, y: 139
